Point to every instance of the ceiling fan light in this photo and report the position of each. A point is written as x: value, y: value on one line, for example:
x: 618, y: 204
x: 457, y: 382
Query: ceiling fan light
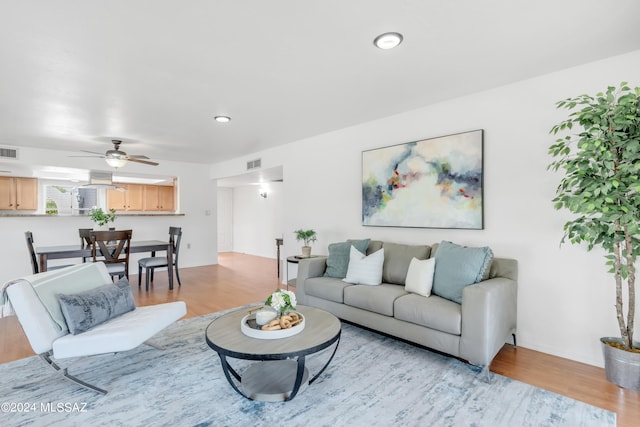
x: 222, y: 119
x: 115, y: 162
x: 388, y: 40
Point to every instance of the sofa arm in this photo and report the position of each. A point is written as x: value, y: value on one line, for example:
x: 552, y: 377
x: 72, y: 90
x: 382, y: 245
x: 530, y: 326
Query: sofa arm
x: 489, y: 311
x: 308, y: 267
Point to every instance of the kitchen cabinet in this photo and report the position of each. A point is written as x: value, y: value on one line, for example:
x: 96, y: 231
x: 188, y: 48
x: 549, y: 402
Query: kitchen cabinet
x: 139, y: 197
x: 159, y: 198
x: 18, y: 193
x: 127, y: 198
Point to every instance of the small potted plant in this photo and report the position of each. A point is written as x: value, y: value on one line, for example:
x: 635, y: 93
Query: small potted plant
x: 102, y: 218
x: 306, y: 236
x: 601, y: 186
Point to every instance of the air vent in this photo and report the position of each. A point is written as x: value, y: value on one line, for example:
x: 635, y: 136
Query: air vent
x: 254, y: 164
x: 8, y: 153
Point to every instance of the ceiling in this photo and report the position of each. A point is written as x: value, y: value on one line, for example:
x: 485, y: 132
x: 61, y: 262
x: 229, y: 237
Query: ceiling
x: 154, y: 73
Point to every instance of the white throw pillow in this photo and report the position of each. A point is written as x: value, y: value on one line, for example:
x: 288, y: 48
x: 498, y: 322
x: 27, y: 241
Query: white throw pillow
x: 420, y: 276
x: 365, y: 270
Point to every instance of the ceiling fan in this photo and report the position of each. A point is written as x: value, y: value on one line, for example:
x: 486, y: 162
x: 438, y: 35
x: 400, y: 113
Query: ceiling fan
x: 117, y: 159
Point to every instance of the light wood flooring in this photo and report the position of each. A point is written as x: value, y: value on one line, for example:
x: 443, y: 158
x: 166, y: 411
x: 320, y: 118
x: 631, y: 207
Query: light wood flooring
x: 241, y: 279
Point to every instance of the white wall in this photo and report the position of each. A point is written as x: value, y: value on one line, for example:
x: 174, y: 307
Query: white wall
x: 565, y: 296
x: 197, y: 201
x: 225, y: 219
x: 257, y: 221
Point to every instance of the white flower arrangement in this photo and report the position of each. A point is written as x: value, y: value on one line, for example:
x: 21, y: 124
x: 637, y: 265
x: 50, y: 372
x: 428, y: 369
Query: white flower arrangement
x: 282, y: 301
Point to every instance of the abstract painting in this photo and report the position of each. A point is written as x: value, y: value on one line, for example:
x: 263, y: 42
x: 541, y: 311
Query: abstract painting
x: 431, y: 183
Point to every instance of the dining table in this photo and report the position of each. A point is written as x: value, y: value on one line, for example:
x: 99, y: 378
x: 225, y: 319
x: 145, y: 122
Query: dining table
x: 45, y: 253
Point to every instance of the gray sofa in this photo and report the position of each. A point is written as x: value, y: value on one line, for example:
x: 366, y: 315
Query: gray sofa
x: 473, y: 331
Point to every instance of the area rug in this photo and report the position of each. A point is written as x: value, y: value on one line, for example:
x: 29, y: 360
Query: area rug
x: 373, y: 380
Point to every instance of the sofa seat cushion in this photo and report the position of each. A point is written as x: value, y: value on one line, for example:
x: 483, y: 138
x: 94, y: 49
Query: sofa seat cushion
x: 329, y: 288
x: 433, y: 312
x: 397, y: 258
x: 378, y: 299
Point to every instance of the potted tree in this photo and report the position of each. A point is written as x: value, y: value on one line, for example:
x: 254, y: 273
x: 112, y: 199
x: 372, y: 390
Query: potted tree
x: 306, y: 236
x: 601, y: 186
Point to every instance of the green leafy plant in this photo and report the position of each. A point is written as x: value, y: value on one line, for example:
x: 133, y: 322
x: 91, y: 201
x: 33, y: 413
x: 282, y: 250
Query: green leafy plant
x: 100, y: 217
x: 307, y: 236
x: 282, y: 301
x: 51, y: 207
x: 601, y: 185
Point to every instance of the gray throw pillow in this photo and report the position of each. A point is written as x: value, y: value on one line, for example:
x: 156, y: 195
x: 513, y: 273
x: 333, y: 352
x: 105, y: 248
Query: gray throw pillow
x: 457, y: 267
x: 338, y: 259
x: 90, y: 308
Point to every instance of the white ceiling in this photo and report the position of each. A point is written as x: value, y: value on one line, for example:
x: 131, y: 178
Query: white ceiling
x: 77, y: 73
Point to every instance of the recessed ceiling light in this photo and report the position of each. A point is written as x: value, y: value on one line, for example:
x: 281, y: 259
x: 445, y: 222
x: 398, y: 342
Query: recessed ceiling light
x: 388, y: 40
x: 222, y: 119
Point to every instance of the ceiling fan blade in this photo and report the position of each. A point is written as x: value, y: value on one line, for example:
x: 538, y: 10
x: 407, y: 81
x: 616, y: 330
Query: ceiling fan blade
x: 143, y: 161
x: 99, y: 157
x: 92, y: 152
x: 137, y: 156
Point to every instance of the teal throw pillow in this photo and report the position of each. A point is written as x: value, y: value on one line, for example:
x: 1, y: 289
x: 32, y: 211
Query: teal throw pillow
x: 458, y: 267
x: 338, y: 259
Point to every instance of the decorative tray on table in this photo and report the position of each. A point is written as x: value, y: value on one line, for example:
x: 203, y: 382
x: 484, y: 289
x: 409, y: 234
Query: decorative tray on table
x: 250, y: 327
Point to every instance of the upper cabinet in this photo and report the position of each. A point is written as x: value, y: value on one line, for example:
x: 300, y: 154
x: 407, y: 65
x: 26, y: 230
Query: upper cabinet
x: 159, y: 198
x: 18, y: 193
x: 138, y: 197
x: 126, y: 198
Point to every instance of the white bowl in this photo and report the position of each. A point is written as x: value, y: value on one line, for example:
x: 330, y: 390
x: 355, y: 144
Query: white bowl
x: 270, y: 335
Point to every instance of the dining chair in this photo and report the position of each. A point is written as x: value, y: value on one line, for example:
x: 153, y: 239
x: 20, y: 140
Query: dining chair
x: 151, y: 263
x: 113, y: 246
x: 35, y: 267
x: 85, y: 239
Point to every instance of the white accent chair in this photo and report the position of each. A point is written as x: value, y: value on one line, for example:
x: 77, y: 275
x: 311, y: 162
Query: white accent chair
x: 122, y: 333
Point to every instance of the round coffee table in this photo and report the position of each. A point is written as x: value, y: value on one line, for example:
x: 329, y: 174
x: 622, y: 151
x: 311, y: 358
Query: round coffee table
x: 281, y: 374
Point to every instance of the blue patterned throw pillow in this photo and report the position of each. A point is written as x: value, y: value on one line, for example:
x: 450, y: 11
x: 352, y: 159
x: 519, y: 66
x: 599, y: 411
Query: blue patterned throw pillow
x: 458, y: 267
x: 84, y: 310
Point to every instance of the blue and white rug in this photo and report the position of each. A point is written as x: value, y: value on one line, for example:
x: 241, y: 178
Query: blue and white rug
x: 373, y: 380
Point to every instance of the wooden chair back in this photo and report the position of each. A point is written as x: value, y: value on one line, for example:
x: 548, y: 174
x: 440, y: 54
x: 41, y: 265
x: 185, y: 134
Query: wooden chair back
x: 175, y: 236
x: 85, y: 237
x: 34, y: 259
x: 113, y: 246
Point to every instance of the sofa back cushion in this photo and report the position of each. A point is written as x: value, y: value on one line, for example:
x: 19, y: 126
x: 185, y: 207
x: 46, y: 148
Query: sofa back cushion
x: 374, y: 246
x: 338, y: 259
x: 397, y: 258
x: 457, y: 267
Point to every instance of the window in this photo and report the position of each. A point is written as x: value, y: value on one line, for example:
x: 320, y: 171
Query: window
x: 66, y: 200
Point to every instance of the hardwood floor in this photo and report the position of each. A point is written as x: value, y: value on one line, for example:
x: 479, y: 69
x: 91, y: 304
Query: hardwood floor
x: 243, y: 279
